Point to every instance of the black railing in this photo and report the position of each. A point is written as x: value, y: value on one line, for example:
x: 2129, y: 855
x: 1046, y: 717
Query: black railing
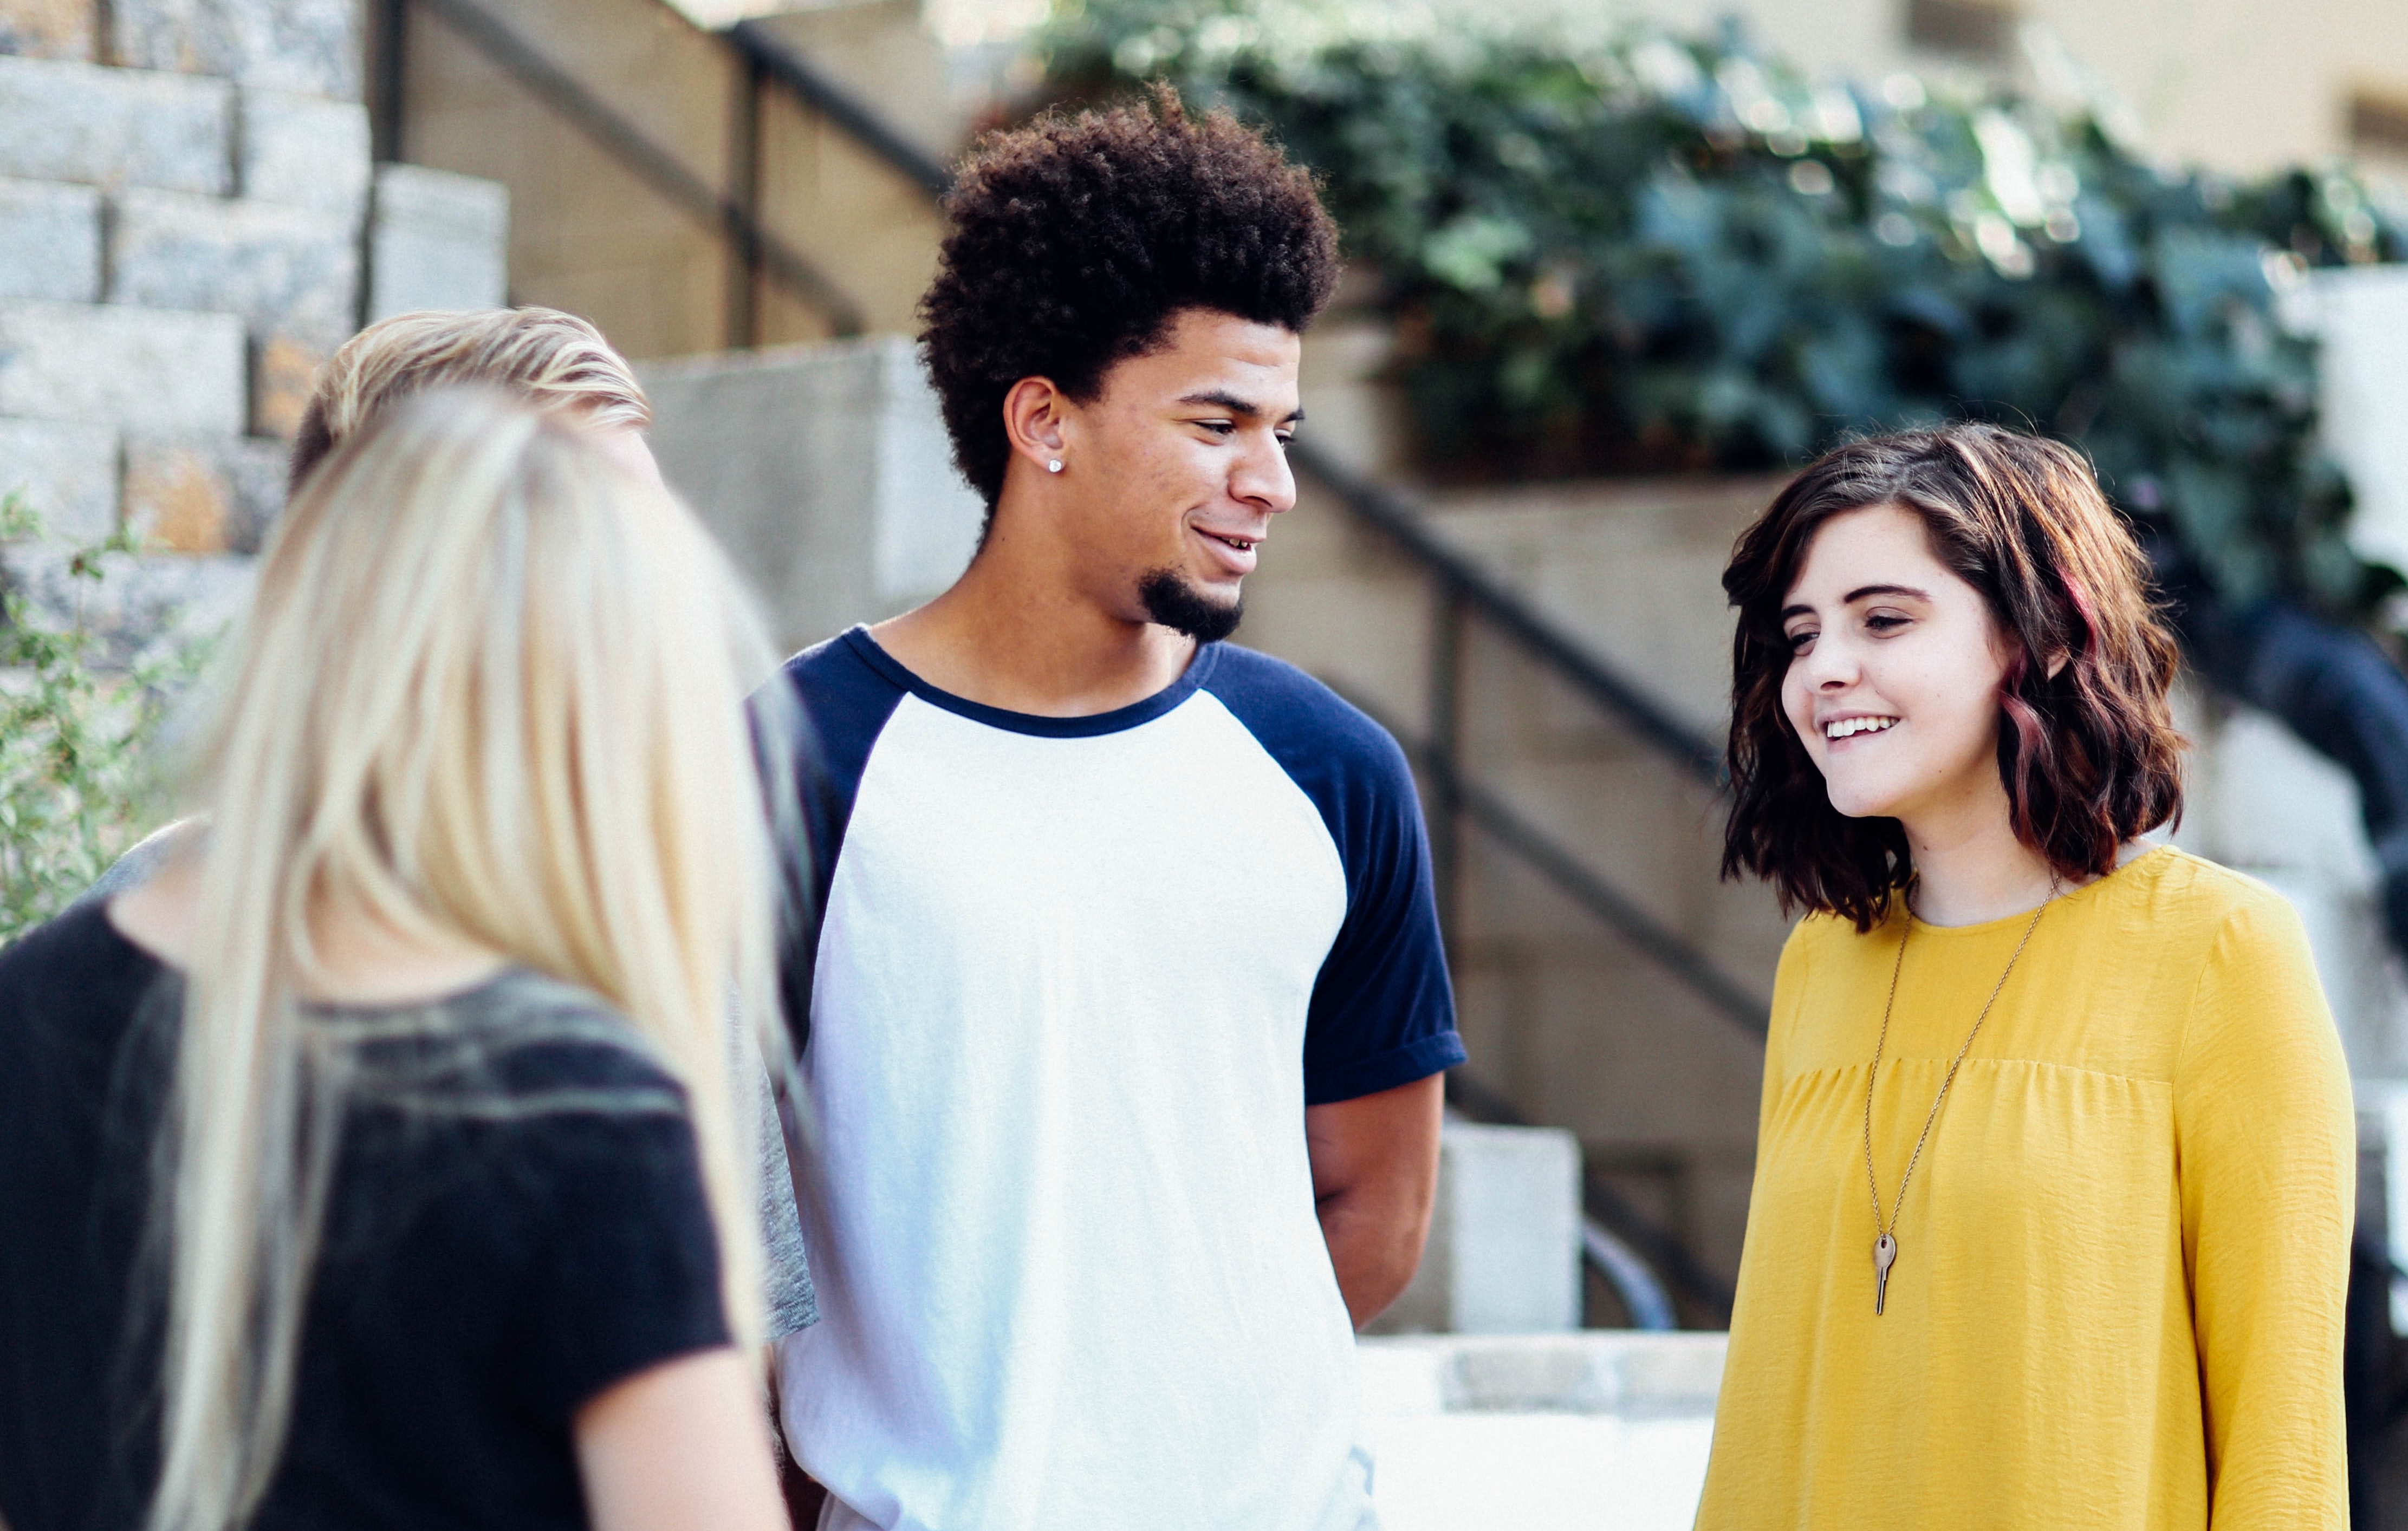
x: 1459, y: 579
x: 732, y: 216
x: 1453, y: 795
x: 823, y: 94
x: 1455, y: 799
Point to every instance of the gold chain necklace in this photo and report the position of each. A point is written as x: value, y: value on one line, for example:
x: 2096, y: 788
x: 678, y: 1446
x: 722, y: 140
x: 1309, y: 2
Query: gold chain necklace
x: 1885, y: 1243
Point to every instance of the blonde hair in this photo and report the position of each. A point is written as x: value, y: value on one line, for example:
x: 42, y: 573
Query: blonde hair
x: 553, y: 361
x: 491, y: 686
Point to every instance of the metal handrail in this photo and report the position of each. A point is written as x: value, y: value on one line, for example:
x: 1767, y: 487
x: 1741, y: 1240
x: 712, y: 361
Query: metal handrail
x: 1383, y: 508
x: 524, y: 61
x: 822, y: 91
x: 1538, y: 850
x: 1642, y: 1295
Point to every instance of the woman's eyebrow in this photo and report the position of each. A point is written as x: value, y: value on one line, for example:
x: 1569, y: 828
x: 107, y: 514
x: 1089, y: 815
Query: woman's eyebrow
x: 1862, y: 591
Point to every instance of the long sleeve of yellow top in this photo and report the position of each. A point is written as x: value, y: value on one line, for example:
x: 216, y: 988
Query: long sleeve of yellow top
x: 2122, y: 1260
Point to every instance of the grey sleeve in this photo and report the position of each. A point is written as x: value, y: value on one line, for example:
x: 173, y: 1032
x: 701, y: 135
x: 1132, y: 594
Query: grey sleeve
x: 786, y: 1268
x: 135, y: 866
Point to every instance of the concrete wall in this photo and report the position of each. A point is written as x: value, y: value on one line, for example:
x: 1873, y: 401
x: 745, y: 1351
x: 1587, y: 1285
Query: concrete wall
x: 824, y: 471
x: 1504, y: 1249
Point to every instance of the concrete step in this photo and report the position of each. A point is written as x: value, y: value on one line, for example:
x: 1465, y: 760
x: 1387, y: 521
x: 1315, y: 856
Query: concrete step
x: 1601, y: 1430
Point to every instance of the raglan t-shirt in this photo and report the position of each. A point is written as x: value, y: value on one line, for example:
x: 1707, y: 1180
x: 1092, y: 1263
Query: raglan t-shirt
x: 1076, y: 981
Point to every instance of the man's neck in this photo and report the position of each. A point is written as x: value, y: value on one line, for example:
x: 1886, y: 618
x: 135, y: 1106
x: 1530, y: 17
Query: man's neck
x: 1014, y: 633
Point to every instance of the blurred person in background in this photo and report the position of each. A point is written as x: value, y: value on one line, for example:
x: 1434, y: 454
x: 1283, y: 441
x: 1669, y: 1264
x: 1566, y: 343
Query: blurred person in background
x: 1130, y: 1005
x: 560, y: 365
x: 376, y: 1162
x: 2054, y: 1178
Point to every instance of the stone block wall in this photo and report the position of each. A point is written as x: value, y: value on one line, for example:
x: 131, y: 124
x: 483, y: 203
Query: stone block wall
x: 187, y: 212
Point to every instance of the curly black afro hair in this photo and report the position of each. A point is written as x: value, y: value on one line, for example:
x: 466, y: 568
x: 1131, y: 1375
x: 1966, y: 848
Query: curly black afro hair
x: 1077, y: 241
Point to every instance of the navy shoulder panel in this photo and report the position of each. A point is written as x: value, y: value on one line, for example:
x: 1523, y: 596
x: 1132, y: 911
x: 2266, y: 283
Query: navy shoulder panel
x: 1383, y: 1009
x: 834, y: 703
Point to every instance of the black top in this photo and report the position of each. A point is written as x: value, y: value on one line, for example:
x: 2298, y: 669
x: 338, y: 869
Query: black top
x: 516, y: 1221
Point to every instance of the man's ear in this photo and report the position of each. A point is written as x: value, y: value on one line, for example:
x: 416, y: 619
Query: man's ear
x: 1034, y: 414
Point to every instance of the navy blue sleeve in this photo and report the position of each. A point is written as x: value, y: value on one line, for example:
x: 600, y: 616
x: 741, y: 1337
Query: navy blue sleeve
x: 837, y: 697
x: 1382, y: 1009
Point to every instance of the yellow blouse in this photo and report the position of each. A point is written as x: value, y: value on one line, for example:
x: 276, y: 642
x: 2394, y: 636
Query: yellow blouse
x: 2121, y: 1268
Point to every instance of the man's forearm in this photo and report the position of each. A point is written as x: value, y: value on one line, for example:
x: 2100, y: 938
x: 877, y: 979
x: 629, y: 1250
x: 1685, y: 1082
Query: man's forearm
x: 1375, y: 1176
x: 1373, y: 1249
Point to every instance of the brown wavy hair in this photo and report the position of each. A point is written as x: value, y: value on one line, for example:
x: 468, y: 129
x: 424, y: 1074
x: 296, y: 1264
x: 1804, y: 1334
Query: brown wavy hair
x: 2090, y: 756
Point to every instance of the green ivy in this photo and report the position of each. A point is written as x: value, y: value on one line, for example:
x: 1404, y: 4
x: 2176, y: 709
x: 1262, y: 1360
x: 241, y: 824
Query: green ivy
x: 1633, y: 252
x: 77, y: 737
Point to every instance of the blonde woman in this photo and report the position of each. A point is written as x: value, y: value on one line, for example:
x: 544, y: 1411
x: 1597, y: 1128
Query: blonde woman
x: 375, y: 1163
x: 553, y: 362
x: 556, y: 362
x: 560, y: 365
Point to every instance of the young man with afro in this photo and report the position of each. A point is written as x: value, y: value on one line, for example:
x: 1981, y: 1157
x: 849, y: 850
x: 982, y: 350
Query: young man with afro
x: 1128, y: 1003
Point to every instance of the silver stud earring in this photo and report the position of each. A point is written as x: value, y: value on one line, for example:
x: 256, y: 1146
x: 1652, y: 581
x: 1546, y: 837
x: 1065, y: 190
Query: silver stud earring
x: 1054, y: 464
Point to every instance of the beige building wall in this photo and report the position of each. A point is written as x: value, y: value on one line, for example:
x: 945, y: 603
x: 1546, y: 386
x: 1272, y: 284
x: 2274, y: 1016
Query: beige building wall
x: 592, y: 236
x: 2239, y: 85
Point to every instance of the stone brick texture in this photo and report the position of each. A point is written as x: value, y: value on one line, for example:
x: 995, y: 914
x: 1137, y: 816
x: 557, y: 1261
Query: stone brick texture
x: 67, y: 472
x: 62, y: 121
x: 206, y: 494
x: 284, y: 270
x: 305, y: 46
x: 49, y: 242
x: 108, y: 364
x: 184, y: 190
x: 49, y: 29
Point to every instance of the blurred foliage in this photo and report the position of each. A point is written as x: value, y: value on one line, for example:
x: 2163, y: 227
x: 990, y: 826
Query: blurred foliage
x: 1634, y: 252
x: 76, y: 737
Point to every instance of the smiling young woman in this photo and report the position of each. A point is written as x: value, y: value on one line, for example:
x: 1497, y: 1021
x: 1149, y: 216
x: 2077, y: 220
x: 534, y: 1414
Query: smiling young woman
x: 2054, y: 1172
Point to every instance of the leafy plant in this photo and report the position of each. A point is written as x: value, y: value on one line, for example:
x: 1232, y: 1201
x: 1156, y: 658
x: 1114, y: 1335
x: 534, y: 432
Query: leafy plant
x: 77, y: 736
x: 1632, y: 252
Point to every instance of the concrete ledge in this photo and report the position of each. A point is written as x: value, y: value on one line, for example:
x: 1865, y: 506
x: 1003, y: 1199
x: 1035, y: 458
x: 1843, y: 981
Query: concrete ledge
x: 1503, y: 1256
x: 1594, y: 1371
x: 436, y: 240
x: 1604, y: 1430
x: 825, y: 472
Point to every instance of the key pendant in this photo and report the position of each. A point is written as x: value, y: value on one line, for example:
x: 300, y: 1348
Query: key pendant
x: 1885, y: 1256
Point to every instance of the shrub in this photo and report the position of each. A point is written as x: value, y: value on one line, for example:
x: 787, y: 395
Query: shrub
x: 1637, y: 253
x: 78, y: 735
